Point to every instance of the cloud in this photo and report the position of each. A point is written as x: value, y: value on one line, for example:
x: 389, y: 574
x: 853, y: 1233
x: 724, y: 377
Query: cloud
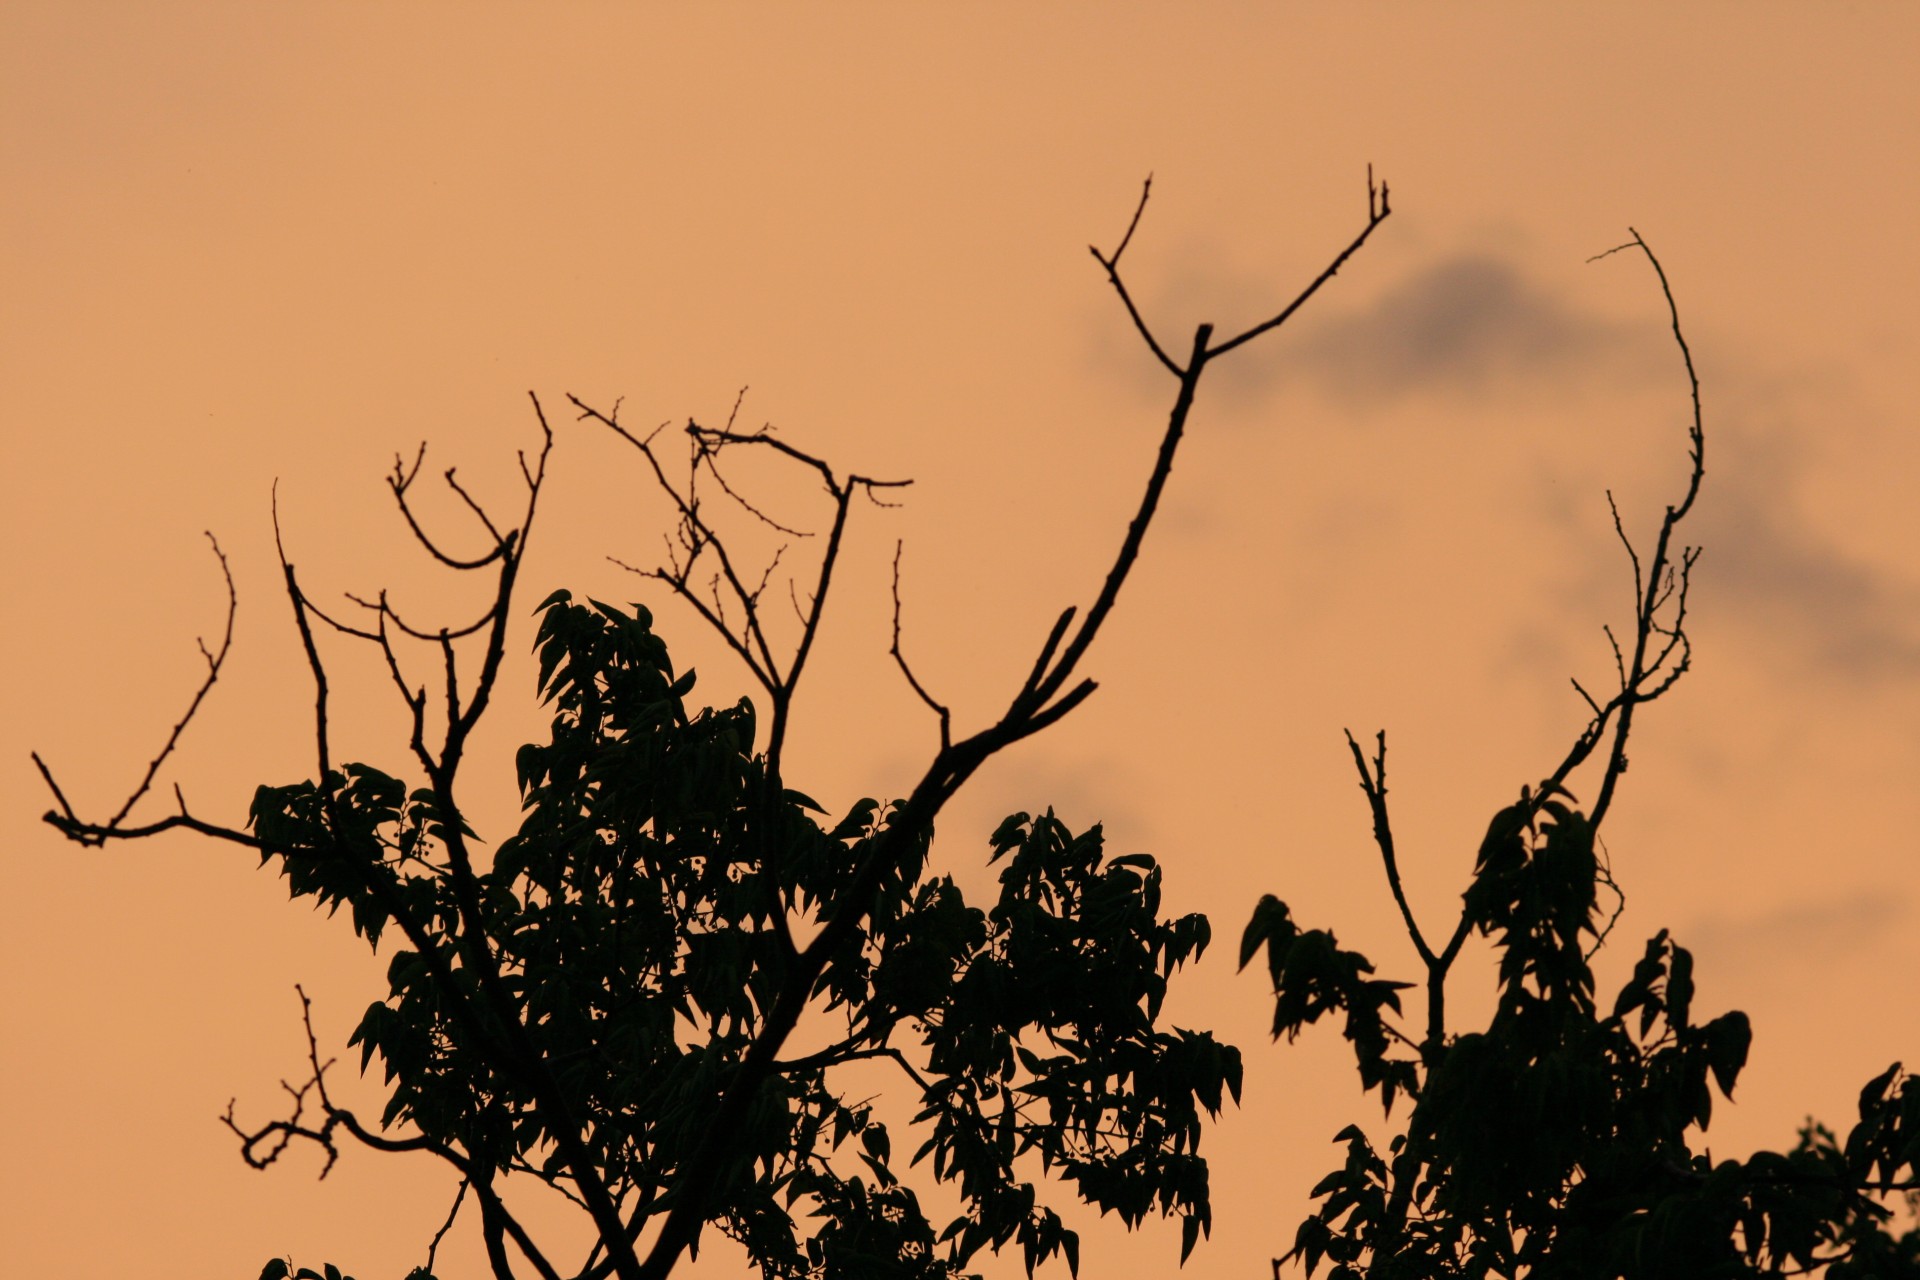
x: 1475, y: 327
x: 1471, y: 325
x: 1827, y: 611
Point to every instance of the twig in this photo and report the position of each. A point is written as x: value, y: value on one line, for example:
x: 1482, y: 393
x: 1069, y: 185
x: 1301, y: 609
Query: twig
x: 1038, y: 704
x: 214, y: 662
x: 1374, y: 783
x: 1375, y: 216
x: 1112, y: 265
x: 939, y: 708
x: 402, y: 479
x: 433, y: 1248
x: 1605, y: 877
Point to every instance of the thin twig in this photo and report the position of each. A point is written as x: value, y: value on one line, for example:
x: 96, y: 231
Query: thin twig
x: 1374, y: 783
x: 939, y: 708
x: 433, y: 1248
x: 401, y: 480
x: 214, y: 663
x: 1112, y: 265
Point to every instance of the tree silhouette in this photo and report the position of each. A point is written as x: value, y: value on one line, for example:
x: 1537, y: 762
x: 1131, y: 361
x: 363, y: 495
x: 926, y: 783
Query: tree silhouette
x: 1554, y: 1142
x: 605, y: 1004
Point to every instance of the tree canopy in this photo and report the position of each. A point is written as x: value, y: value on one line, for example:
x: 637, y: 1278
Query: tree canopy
x: 605, y: 1004
x: 1554, y: 1143
x: 610, y: 1001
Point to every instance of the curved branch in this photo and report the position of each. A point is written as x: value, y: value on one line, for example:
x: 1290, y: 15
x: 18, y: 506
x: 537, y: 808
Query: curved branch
x: 71, y: 822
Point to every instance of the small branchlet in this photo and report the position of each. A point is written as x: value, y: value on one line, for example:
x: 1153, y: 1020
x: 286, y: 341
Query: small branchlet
x: 65, y: 820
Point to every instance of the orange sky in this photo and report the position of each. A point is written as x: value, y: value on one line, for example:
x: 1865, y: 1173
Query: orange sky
x: 247, y: 242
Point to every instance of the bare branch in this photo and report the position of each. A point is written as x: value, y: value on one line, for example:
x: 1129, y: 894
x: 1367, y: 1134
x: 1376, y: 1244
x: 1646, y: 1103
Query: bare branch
x: 383, y: 606
x: 1375, y: 216
x: 1592, y: 705
x: 433, y: 1248
x: 707, y: 614
x: 314, y: 665
x: 946, y: 718
x: 1639, y: 587
x: 475, y: 507
x: 707, y: 450
x: 697, y: 536
x: 1374, y: 783
x: 1605, y: 877
x: 402, y: 479
x: 1047, y: 649
x: 1112, y: 265
x: 1659, y: 575
x: 1038, y: 704
x: 66, y: 813
x: 214, y: 662
x: 1201, y: 354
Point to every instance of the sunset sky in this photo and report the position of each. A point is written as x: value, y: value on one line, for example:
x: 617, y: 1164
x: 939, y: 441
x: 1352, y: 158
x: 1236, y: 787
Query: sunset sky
x: 247, y: 242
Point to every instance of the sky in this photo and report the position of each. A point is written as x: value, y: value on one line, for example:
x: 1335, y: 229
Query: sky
x: 244, y: 244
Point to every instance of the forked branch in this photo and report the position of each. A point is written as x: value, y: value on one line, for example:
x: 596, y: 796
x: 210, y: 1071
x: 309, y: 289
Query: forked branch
x: 66, y: 821
x: 461, y: 958
x: 1660, y: 653
x: 1043, y: 699
x: 749, y: 639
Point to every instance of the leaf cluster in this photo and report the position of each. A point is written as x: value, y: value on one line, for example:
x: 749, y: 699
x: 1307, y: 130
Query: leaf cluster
x: 602, y: 1003
x: 1555, y: 1141
x: 643, y: 921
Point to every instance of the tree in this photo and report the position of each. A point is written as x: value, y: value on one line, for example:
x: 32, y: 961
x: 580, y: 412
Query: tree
x: 1554, y: 1142
x: 665, y: 873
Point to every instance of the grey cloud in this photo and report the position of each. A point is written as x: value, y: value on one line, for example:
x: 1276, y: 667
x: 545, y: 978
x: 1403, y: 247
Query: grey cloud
x: 1476, y: 326
x: 1470, y: 326
x: 1771, y: 566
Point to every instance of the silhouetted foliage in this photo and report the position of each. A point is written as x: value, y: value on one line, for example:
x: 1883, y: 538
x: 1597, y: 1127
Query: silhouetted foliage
x: 603, y: 1004
x: 1554, y: 1142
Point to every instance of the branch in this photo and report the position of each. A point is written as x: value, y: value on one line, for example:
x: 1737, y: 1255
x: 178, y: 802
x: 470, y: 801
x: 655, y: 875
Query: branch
x: 282, y: 1133
x: 697, y: 537
x: 946, y: 718
x: 402, y: 478
x: 71, y: 823
x: 433, y: 1248
x: 1038, y: 704
x: 515, y: 1056
x: 1660, y: 580
x: 1112, y: 265
x: 1374, y: 784
x: 1201, y: 354
x: 750, y: 642
x: 1377, y: 213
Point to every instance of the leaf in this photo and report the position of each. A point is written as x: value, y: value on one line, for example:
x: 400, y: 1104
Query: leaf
x: 1680, y: 988
x: 801, y: 799
x: 1268, y: 917
x: 1875, y: 1091
x: 1728, y: 1039
x: 1189, y: 1236
x: 276, y: 1269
